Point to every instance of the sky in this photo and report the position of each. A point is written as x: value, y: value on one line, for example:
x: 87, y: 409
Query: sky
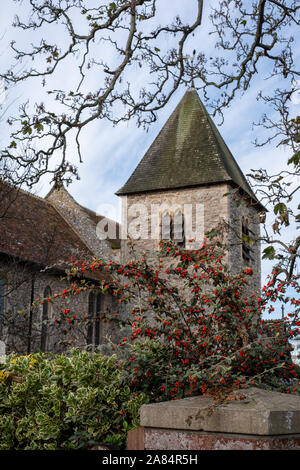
x: 111, y: 153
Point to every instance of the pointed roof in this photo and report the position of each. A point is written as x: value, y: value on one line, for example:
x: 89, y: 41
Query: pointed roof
x: 188, y: 151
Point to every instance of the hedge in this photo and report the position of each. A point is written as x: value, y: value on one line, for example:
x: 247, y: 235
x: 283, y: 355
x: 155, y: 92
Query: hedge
x: 64, y: 402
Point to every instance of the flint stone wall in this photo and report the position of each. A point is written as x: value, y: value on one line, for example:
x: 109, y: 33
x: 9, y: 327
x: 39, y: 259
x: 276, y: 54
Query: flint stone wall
x: 60, y: 337
x: 216, y: 208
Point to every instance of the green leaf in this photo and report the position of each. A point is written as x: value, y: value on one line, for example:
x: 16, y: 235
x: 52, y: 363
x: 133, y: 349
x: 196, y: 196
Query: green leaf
x: 269, y: 253
x: 280, y: 208
x: 248, y: 239
x: 39, y: 127
x: 295, y: 159
x: 112, y: 7
x: 27, y: 130
x: 212, y: 233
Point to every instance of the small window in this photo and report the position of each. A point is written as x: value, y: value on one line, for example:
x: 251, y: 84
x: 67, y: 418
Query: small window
x: 2, y: 291
x: 179, y: 235
x: 94, y: 334
x: 45, y: 319
x: 172, y: 228
x: 166, y: 227
x: 245, y: 241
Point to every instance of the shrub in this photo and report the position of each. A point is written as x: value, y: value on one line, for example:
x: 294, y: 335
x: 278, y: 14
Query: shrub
x: 64, y: 402
x: 194, y: 327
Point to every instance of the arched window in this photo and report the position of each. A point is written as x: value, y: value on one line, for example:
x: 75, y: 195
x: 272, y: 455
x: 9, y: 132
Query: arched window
x: 166, y: 226
x: 172, y: 227
x: 2, y: 289
x: 245, y: 241
x: 94, y: 336
x: 45, y: 318
x: 98, y: 320
x: 179, y: 235
x: 90, y: 317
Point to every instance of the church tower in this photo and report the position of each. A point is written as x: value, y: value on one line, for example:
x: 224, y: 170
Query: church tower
x: 185, y: 185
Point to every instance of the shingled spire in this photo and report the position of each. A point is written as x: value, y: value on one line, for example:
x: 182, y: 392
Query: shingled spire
x: 188, y: 151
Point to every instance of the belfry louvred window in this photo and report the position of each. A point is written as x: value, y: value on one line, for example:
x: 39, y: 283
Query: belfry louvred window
x: 246, y: 249
x: 172, y: 227
x: 178, y: 231
x: 166, y: 226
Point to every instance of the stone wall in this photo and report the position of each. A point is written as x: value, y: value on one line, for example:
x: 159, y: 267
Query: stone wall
x: 262, y: 420
x: 60, y: 337
x: 81, y: 222
x: 216, y: 208
x: 237, y: 209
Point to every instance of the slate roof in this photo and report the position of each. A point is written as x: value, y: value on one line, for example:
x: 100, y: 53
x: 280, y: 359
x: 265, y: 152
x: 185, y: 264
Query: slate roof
x: 32, y: 230
x: 188, y: 151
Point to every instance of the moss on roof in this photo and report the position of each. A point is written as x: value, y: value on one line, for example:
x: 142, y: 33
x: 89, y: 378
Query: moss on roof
x: 188, y: 151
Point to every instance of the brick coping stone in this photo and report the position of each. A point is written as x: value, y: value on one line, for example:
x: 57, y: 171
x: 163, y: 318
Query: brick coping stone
x: 261, y: 412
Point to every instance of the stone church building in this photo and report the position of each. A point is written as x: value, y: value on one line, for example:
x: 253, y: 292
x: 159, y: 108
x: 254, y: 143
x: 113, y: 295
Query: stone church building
x: 185, y: 185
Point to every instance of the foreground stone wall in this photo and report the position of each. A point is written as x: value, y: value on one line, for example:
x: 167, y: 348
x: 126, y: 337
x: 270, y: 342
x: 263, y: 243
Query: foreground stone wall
x: 263, y: 420
x: 156, y: 439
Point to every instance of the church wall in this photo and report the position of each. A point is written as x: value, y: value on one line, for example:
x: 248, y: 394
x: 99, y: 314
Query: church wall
x: 215, y: 208
x: 236, y: 213
x: 60, y: 337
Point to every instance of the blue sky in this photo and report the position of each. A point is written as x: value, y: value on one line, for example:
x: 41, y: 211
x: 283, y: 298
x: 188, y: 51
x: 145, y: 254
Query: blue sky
x: 111, y: 153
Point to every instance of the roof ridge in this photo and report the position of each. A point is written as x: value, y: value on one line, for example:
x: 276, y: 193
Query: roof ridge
x: 219, y: 136
x: 49, y: 203
x: 37, y: 232
x: 24, y: 191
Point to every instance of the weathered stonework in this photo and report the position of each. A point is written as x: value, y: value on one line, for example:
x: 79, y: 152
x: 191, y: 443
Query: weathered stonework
x: 237, y: 209
x: 262, y: 420
x: 24, y: 282
x: 217, y: 208
x: 81, y: 222
x: 188, y: 440
x: 261, y: 412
